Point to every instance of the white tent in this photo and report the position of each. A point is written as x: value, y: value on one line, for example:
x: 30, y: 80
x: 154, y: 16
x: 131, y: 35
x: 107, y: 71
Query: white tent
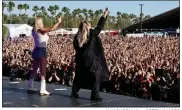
x: 16, y: 30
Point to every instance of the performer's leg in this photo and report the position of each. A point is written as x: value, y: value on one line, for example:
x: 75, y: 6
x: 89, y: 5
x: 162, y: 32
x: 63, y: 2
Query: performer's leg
x: 96, y: 87
x: 35, y: 67
x: 43, y: 63
x: 95, y: 90
x: 75, y: 89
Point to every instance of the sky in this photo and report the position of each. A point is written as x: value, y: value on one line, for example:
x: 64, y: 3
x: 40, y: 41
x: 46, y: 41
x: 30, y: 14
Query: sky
x: 152, y: 8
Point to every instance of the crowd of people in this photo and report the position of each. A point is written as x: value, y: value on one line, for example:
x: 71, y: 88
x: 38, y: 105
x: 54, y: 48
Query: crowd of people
x: 147, y: 67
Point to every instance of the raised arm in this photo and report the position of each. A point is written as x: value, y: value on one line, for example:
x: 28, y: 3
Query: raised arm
x: 45, y: 30
x: 101, y: 23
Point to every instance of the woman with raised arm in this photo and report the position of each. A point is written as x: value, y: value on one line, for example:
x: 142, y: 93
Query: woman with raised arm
x: 91, y: 67
x: 39, y: 53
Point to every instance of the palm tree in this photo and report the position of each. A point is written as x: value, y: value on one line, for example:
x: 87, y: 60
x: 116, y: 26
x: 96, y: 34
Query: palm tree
x: 56, y: 7
x: 74, y: 15
x: 51, y: 10
x: 35, y: 9
x: 124, y: 15
x: 113, y: 21
x: 80, y: 17
x: 136, y: 20
x: 26, y: 7
x: 67, y: 15
x: 53, y: 17
x: 59, y: 14
x: 91, y: 15
x: 84, y: 11
x: 43, y: 11
x: 4, y: 5
x: 97, y: 12
x: 118, y: 19
x: 39, y: 14
x: 42, y: 8
x: 11, y: 5
x: 20, y: 7
x: 125, y: 18
x: 118, y: 13
x: 101, y: 12
x: 66, y: 10
x: 132, y: 17
x: 78, y: 12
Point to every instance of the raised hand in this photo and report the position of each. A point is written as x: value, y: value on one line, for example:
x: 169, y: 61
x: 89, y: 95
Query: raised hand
x: 106, y: 12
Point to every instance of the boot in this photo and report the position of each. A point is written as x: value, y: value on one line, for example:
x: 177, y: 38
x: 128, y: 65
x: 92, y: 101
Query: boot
x: 43, y: 90
x: 31, y: 88
x: 74, y: 93
x: 95, y: 92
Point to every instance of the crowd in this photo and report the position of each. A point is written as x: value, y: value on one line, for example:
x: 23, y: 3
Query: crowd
x: 146, y: 67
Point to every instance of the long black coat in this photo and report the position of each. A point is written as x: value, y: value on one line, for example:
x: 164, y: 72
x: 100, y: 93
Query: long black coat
x: 90, y: 59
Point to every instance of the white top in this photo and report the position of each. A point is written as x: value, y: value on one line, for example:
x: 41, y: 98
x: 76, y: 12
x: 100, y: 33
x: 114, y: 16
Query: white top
x: 39, y: 39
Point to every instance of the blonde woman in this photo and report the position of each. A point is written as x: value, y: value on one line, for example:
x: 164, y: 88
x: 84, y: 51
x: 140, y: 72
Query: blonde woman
x: 91, y: 67
x: 39, y: 53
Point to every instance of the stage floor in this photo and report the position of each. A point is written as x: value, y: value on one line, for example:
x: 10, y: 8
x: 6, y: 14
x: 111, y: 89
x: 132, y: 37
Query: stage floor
x: 15, y: 95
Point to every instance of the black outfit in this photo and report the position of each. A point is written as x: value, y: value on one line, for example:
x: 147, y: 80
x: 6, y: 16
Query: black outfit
x: 91, y: 67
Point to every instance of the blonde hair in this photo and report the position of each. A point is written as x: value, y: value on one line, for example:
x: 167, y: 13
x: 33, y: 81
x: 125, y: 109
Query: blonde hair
x: 38, y: 22
x: 83, y: 33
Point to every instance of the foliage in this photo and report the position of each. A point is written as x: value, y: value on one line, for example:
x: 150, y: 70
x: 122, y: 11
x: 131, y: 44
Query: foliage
x: 5, y: 32
x: 69, y: 19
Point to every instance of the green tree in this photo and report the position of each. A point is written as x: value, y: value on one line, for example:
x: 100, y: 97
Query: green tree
x: 4, y: 5
x: 97, y: 13
x: 10, y: 8
x: 91, y: 15
x: 66, y: 10
x: 5, y: 18
x: 26, y: 7
x: 101, y: 12
x: 132, y: 17
x: 43, y: 11
x: 74, y: 17
x: 35, y: 9
x: 20, y: 7
x: 59, y: 14
x: 84, y: 11
x: 78, y: 13
x: 18, y: 19
x: 5, y: 32
x: 30, y: 21
x: 51, y: 10
x: 56, y: 8
x: 118, y: 20
x: 136, y: 20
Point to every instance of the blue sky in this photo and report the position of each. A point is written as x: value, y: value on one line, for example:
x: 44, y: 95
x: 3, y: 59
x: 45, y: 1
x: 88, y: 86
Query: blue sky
x: 150, y: 7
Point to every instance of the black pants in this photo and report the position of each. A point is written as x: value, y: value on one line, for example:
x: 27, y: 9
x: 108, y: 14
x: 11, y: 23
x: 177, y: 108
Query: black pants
x: 95, y: 85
